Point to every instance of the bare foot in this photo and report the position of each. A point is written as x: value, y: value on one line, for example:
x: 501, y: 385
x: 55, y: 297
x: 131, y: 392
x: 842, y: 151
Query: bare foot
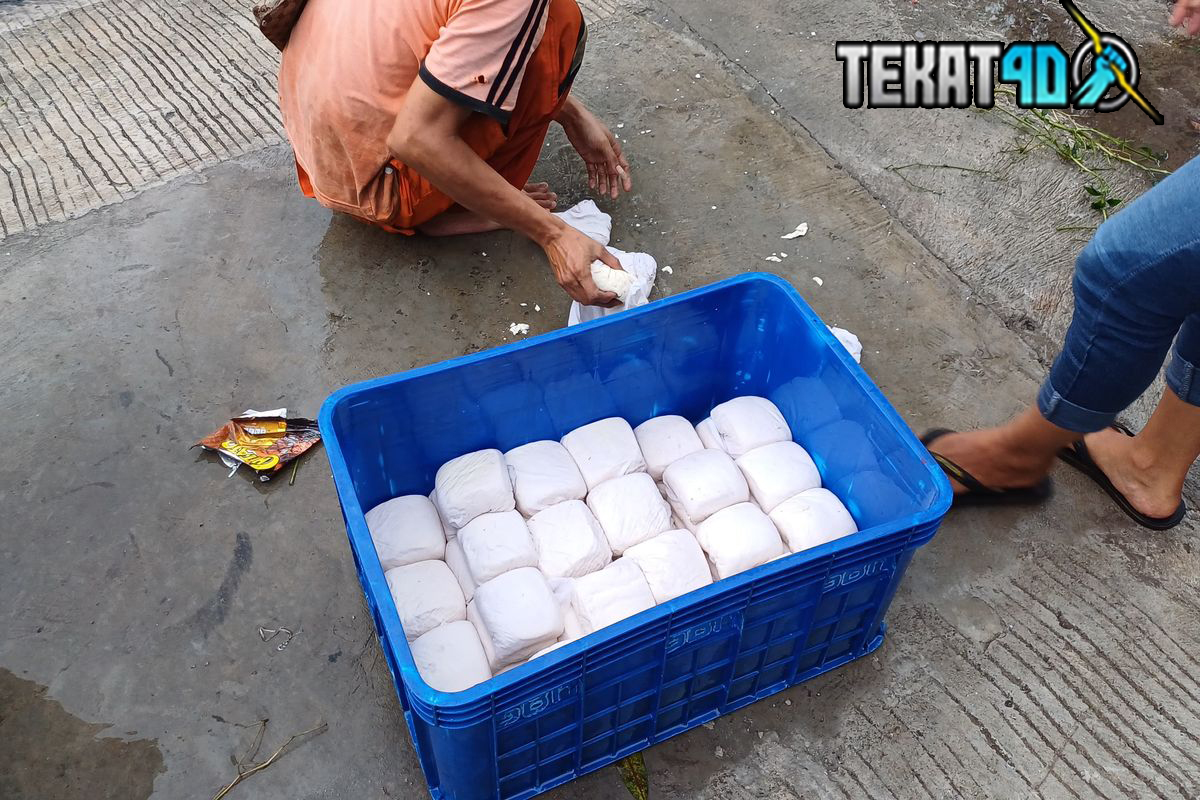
x: 1131, y: 469
x: 992, y: 458
x: 460, y: 221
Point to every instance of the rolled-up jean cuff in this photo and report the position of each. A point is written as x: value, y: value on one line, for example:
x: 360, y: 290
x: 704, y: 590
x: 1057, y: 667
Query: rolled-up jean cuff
x: 1061, y: 412
x: 1181, y: 377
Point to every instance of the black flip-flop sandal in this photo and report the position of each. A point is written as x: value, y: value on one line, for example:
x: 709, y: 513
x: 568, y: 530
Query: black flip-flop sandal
x: 977, y: 493
x: 1077, y: 456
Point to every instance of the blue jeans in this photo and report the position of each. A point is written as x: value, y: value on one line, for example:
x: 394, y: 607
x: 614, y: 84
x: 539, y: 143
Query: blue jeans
x: 1137, y: 288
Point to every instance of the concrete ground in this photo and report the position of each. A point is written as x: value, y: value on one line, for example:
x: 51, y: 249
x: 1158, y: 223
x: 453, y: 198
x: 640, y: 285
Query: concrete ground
x: 159, y: 272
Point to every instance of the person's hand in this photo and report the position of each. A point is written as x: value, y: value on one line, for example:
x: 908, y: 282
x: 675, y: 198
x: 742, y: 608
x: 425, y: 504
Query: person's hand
x: 1187, y: 16
x: 571, y: 255
x: 607, y: 169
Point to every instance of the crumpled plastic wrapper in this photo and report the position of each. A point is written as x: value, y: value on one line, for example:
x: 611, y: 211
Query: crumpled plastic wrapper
x: 262, y: 440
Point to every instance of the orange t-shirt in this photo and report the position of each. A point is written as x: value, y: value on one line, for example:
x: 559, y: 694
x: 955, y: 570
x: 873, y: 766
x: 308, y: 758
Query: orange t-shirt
x: 349, y: 64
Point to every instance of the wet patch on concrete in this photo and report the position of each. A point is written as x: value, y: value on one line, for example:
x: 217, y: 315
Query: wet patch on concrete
x: 50, y: 754
x: 212, y: 613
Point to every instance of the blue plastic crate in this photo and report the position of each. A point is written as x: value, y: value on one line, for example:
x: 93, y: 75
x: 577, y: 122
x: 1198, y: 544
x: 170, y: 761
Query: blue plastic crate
x: 688, y: 661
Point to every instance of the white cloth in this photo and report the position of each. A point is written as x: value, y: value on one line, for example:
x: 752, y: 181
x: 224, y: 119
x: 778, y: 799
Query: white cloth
x: 778, y: 471
x: 406, y: 530
x: 451, y: 658
x: 519, y: 613
x: 630, y: 510
x: 738, y: 538
x: 426, y: 595
x: 589, y: 220
x: 474, y: 484
x: 812, y: 518
x: 447, y: 531
x: 706, y: 432
x: 551, y: 648
x: 485, y: 638
x: 604, y: 450
x: 496, y: 543
x: 543, y: 473
x: 614, y: 593
x: 701, y: 484
x: 745, y: 423
x: 569, y: 540
x: 642, y: 269
x: 849, y: 341
x: 572, y: 627
x: 672, y: 563
x: 456, y: 560
x: 664, y: 440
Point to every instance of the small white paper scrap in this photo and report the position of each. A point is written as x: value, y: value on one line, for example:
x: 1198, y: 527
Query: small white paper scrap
x: 801, y: 229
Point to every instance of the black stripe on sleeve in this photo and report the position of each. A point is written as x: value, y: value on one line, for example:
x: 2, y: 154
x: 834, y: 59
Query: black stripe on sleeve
x: 465, y: 100
x: 530, y: 18
x: 520, y: 65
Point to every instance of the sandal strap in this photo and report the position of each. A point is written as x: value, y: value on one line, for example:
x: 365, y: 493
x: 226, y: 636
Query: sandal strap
x: 959, y: 474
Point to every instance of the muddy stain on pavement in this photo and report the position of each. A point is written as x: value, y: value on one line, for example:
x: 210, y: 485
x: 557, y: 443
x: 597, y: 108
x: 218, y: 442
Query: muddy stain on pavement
x: 48, y: 754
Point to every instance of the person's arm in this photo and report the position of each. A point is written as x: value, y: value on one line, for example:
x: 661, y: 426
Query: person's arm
x: 426, y: 137
x: 1187, y: 16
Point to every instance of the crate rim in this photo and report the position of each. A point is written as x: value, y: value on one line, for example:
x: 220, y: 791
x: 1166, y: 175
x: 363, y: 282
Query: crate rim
x: 364, y: 549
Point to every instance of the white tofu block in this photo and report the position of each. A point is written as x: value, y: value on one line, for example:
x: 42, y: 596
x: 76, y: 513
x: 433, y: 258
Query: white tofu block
x: 519, y: 613
x: 551, y: 648
x: 426, y: 595
x: 706, y: 432
x: 701, y: 484
x: 630, y: 510
x: 447, y: 531
x: 451, y: 658
x: 604, y: 450
x: 572, y: 627
x: 570, y: 542
x: 664, y: 440
x: 485, y: 638
x: 614, y: 593
x: 497, y: 543
x: 406, y: 530
x: 745, y: 423
x: 456, y: 560
x: 672, y: 563
x: 738, y: 538
x: 778, y: 471
x: 543, y: 474
x: 474, y: 484
x: 812, y: 518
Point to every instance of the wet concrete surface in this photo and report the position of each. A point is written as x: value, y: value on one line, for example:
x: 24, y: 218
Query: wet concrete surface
x: 53, y: 755
x: 1045, y: 653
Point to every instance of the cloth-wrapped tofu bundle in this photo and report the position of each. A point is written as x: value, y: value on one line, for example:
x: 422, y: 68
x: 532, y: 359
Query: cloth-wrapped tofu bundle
x: 569, y: 541
x: 664, y: 440
x: 450, y: 657
x: 738, y: 538
x: 518, y: 615
x: 672, y: 563
x: 474, y: 484
x: 406, y: 530
x: 496, y: 543
x: 564, y: 592
x: 447, y: 531
x: 778, y: 471
x: 604, y: 450
x: 630, y: 510
x: 703, y: 483
x: 706, y: 432
x: 739, y: 425
x: 456, y: 560
x: 614, y: 593
x: 812, y: 518
x: 543, y: 474
x: 426, y: 595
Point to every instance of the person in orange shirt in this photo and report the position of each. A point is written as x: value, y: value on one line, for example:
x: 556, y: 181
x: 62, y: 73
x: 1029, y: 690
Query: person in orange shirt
x: 429, y: 115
